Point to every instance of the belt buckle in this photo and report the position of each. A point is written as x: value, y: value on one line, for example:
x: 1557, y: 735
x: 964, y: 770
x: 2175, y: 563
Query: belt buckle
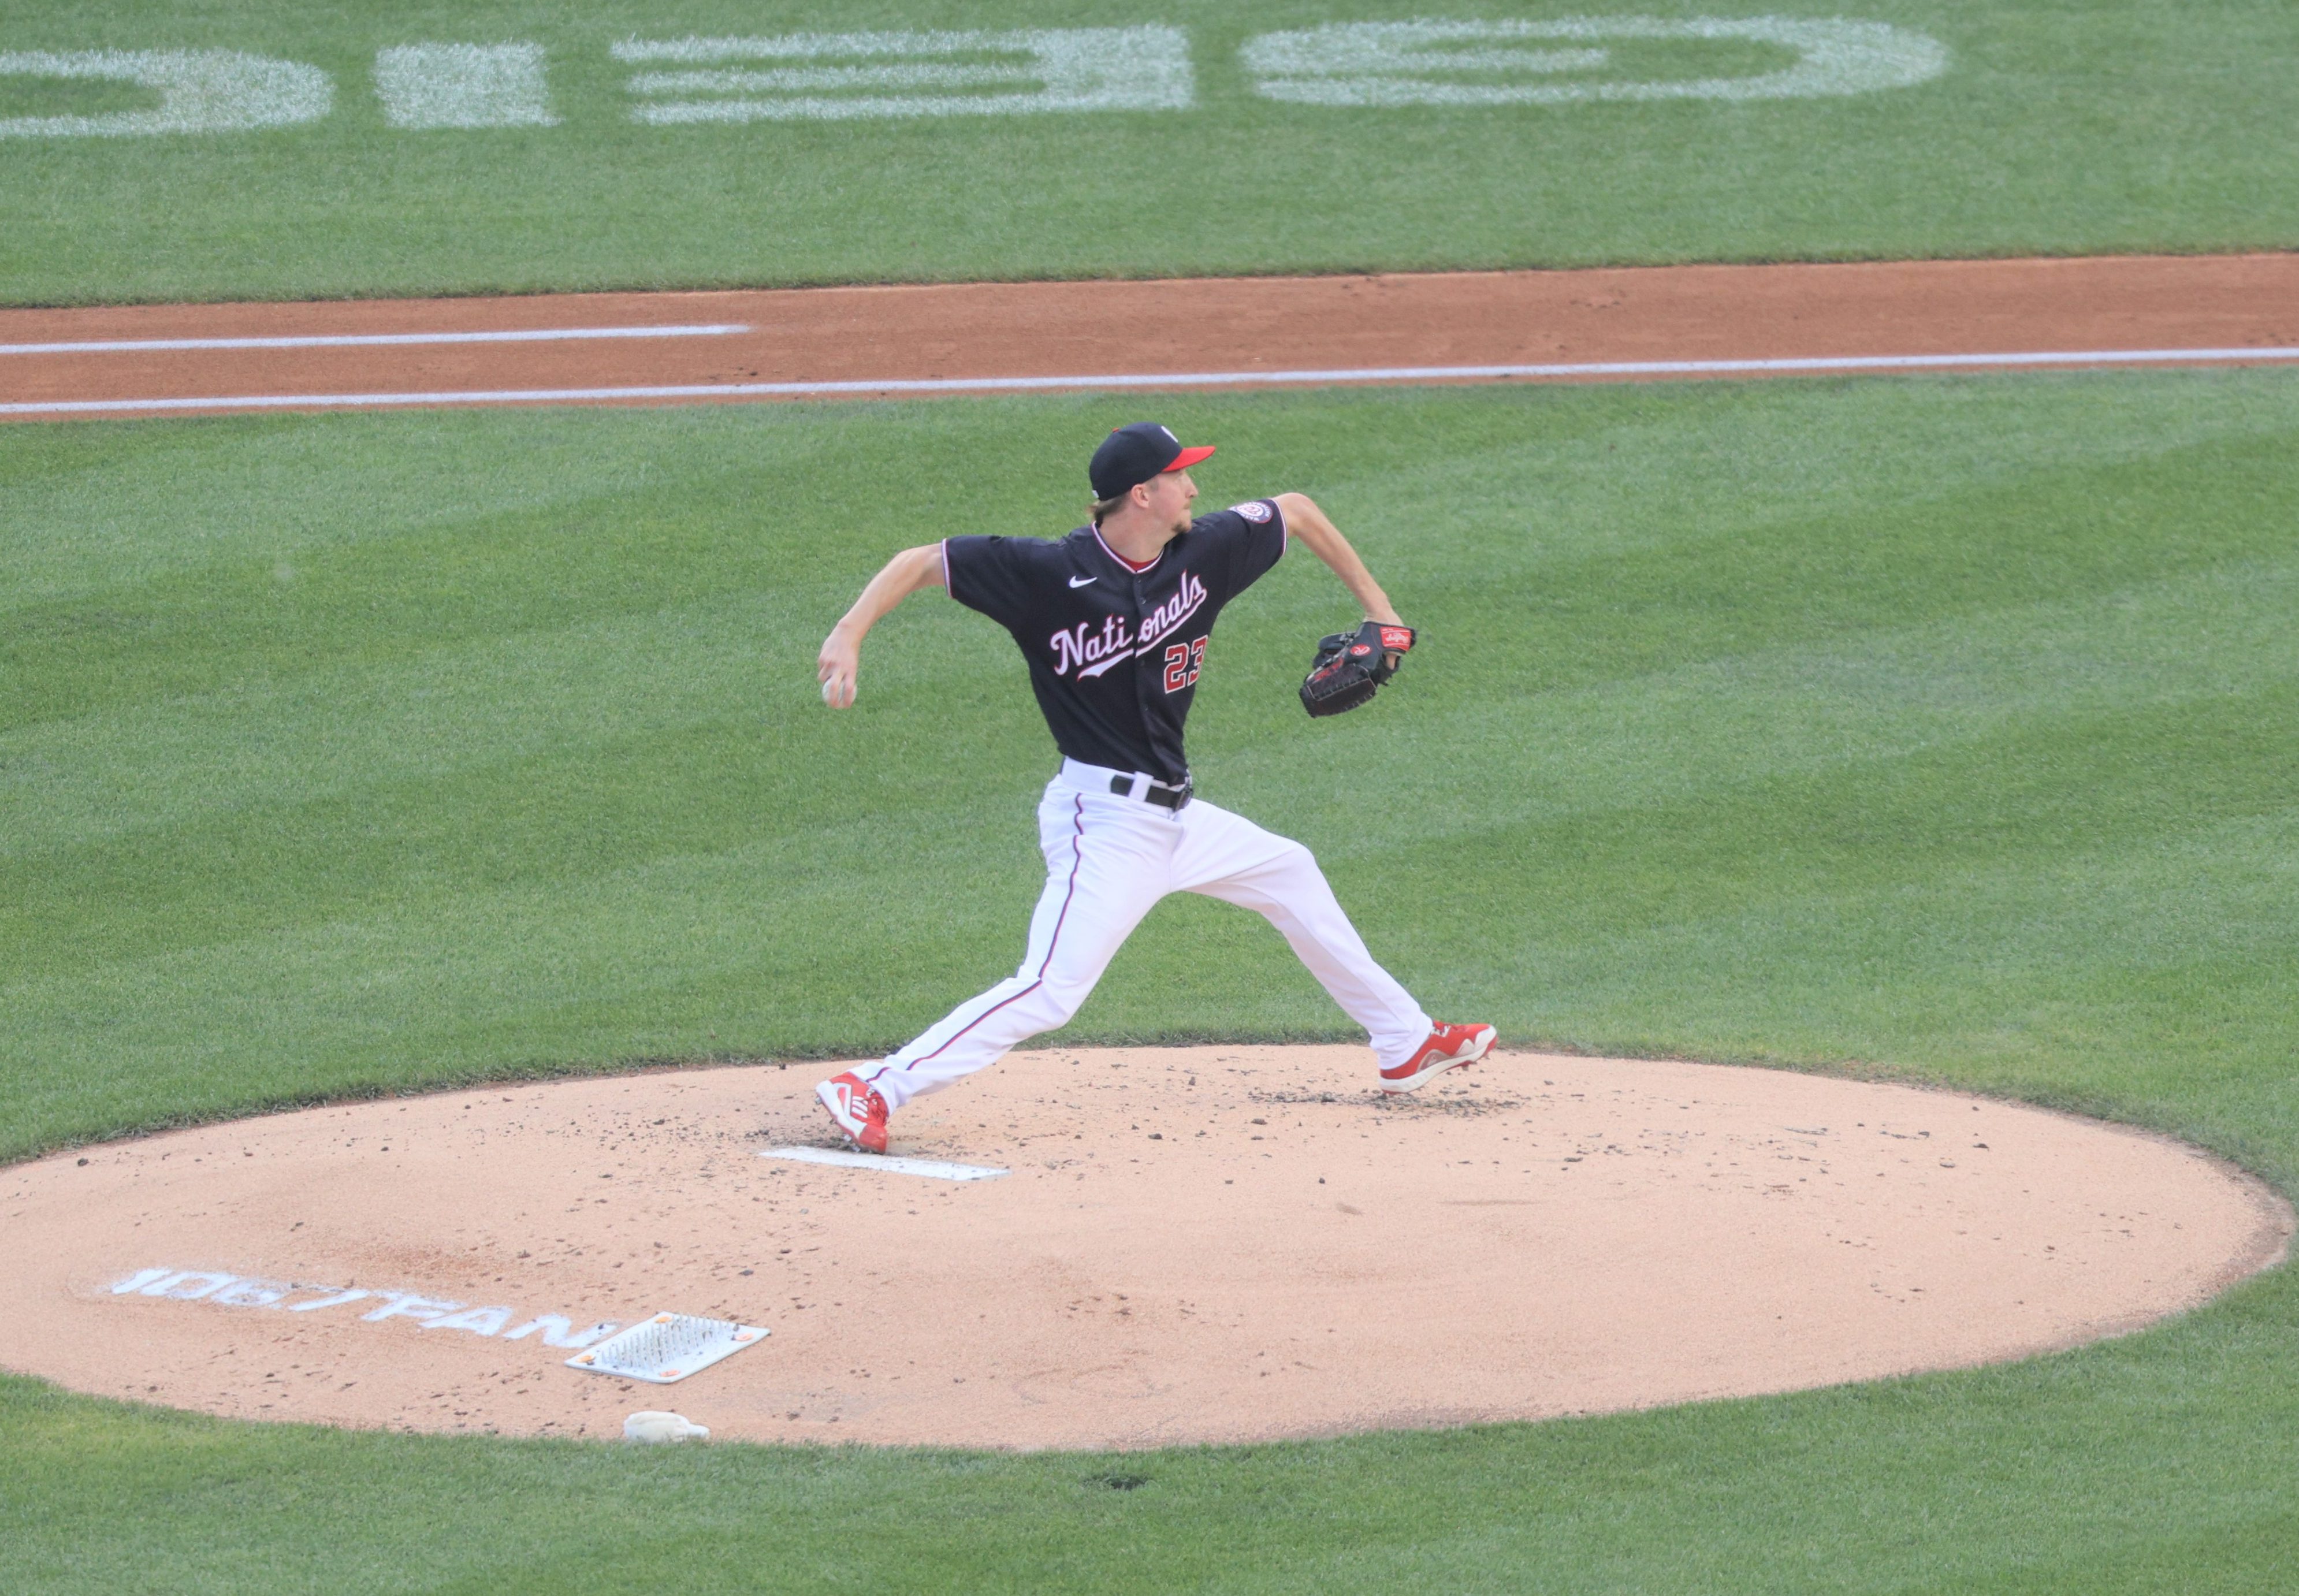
x: 1153, y: 791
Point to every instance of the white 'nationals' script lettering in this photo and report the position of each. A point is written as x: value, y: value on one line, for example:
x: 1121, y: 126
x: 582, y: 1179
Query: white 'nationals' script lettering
x: 1091, y: 653
x: 1187, y: 598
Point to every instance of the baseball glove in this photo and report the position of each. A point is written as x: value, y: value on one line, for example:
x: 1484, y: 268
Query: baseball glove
x: 1351, y: 665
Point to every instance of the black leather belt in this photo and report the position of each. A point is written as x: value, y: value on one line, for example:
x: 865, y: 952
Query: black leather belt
x: 1165, y: 797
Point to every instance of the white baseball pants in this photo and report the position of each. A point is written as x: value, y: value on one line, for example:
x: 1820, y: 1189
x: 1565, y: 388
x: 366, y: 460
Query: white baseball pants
x: 1108, y: 860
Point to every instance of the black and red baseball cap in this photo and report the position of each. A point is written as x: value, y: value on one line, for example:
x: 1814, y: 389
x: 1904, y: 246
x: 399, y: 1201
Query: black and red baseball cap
x: 1136, y: 454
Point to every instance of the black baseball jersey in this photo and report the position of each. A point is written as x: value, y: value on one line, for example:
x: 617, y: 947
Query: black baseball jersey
x: 1115, y: 652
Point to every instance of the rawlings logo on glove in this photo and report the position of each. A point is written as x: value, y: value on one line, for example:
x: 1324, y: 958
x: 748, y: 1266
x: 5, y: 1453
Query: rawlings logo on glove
x: 1351, y: 665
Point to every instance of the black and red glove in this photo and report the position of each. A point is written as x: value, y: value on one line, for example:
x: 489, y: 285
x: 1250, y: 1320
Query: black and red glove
x: 1351, y: 665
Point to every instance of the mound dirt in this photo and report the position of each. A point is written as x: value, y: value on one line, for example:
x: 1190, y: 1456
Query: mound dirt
x: 1210, y: 1244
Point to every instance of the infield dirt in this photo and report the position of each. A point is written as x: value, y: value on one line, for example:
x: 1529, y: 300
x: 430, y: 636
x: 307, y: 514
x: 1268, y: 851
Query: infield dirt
x: 1170, y: 328
x: 1210, y: 1244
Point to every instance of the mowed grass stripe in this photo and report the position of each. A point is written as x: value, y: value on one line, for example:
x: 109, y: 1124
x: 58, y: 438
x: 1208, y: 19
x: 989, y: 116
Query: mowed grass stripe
x: 411, y: 525
x: 551, y: 699
x: 384, y: 939
x: 2041, y: 856
x: 2145, y: 1466
x: 382, y: 612
x: 104, y: 509
x: 1803, y: 712
x: 527, y: 762
x: 570, y: 811
x: 685, y: 954
x: 2118, y: 126
x: 1743, y: 732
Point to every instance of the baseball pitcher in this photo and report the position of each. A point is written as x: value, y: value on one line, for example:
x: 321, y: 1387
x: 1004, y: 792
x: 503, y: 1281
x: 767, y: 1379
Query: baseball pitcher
x: 1114, y: 621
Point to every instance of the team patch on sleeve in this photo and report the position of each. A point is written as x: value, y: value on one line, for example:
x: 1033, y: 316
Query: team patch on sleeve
x: 1254, y: 510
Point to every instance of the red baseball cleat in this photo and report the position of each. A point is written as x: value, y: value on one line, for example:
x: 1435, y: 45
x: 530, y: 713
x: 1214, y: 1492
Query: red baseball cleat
x: 856, y: 1110
x: 1449, y: 1047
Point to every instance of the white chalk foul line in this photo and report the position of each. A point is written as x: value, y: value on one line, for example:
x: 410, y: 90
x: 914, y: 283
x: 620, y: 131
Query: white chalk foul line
x: 547, y: 335
x: 931, y: 1168
x: 1815, y: 364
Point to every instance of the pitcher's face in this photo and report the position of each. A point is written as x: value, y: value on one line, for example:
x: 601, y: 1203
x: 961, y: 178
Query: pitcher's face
x: 1169, y: 496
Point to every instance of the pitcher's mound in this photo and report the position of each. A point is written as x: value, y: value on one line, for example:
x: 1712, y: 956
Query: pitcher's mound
x: 1195, y: 1244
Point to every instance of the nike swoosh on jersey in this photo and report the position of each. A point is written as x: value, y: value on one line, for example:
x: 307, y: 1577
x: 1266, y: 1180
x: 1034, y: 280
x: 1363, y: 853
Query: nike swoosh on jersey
x: 1082, y: 581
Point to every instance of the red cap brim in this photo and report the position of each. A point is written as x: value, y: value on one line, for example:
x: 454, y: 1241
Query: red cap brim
x: 1188, y: 458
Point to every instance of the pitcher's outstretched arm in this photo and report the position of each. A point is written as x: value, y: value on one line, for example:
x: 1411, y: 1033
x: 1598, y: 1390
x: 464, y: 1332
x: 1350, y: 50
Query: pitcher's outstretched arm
x: 841, y: 659
x: 1313, y: 527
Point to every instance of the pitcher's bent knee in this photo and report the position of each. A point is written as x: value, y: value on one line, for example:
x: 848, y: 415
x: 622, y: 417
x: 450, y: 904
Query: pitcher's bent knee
x: 1056, y: 1004
x: 1291, y: 857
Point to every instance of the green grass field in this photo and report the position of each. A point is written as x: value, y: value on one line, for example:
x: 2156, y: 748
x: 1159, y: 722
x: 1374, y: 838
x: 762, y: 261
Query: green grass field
x: 1934, y: 729
x: 2059, y: 126
x: 1938, y: 727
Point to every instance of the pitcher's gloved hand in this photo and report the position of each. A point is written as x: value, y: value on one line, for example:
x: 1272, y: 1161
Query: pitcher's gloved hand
x: 1351, y: 665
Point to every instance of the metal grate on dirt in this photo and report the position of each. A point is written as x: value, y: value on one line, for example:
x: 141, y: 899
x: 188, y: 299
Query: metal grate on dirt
x: 667, y: 1348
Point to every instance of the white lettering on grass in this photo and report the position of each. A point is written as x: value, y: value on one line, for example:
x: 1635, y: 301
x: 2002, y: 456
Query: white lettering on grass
x: 463, y: 86
x: 845, y: 76
x: 1423, y: 62
x: 200, y: 91
x: 832, y: 76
